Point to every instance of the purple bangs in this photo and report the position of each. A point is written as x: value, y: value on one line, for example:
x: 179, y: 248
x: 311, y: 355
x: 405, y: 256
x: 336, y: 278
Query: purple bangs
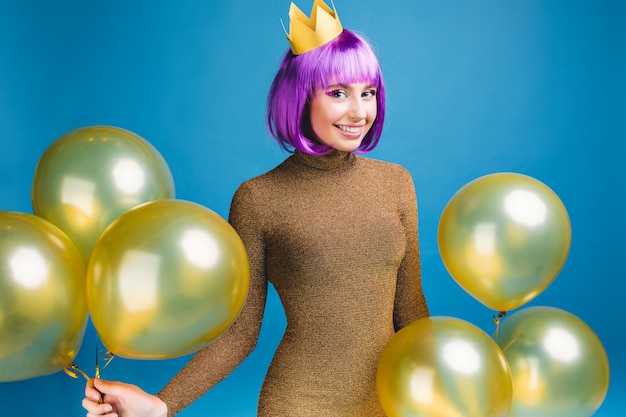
x: 346, y: 59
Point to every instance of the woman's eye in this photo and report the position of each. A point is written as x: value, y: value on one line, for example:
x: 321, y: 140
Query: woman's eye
x: 336, y: 93
x: 369, y: 93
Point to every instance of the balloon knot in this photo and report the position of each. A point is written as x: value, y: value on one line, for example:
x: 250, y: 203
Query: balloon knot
x: 498, y: 318
x: 73, y: 371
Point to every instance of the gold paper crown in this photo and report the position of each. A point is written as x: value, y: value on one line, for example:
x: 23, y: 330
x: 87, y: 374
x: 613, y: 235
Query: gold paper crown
x: 307, y: 34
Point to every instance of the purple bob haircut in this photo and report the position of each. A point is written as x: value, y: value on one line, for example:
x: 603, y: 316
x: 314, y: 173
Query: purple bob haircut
x: 346, y: 59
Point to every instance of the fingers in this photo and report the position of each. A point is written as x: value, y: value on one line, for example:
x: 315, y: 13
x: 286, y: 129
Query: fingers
x: 94, y: 409
x: 93, y: 401
x: 92, y: 392
x: 116, y: 388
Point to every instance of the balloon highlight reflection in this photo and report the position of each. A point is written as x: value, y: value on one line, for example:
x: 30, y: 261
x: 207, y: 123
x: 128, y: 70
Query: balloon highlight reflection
x: 43, y: 310
x: 165, y: 279
x: 503, y: 238
x: 443, y: 367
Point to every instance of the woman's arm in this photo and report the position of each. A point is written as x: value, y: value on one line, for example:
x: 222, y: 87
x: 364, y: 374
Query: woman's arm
x: 410, y: 303
x: 215, y: 361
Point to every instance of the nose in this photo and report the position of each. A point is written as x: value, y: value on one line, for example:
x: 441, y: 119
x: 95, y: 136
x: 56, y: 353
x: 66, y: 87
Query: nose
x: 357, y: 108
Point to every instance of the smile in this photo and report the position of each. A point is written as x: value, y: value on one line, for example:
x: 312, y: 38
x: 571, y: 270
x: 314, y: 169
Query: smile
x: 350, y: 130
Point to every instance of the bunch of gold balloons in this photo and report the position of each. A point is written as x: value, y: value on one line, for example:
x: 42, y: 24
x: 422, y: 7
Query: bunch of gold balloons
x: 160, y: 277
x: 504, y: 238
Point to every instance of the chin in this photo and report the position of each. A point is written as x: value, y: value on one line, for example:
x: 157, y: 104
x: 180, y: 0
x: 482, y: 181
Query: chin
x: 348, y: 146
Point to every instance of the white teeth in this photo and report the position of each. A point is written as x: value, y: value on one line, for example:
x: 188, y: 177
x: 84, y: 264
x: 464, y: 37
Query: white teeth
x: 350, y: 129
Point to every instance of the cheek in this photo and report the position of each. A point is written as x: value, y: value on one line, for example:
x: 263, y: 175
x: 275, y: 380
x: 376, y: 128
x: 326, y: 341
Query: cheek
x: 323, y: 117
x: 316, y: 121
x: 372, y: 111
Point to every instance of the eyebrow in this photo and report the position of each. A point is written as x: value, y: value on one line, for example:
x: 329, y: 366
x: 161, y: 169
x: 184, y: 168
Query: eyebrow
x: 348, y: 86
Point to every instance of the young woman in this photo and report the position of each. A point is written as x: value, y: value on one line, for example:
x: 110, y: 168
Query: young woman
x: 333, y: 231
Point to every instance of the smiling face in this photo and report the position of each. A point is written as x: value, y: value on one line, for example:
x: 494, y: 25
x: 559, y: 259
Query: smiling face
x: 341, y: 115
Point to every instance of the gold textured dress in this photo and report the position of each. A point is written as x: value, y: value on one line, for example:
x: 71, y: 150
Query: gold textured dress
x: 337, y: 237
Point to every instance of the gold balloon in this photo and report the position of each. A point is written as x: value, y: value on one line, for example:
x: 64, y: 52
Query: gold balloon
x: 92, y: 175
x: 558, y: 364
x: 443, y: 367
x: 43, y: 310
x: 504, y: 237
x: 165, y: 279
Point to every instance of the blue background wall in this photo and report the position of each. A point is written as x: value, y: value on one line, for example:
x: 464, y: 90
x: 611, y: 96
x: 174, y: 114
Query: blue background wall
x: 475, y: 87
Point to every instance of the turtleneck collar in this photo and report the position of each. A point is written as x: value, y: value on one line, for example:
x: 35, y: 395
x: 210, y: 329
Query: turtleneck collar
x: 335, y: 160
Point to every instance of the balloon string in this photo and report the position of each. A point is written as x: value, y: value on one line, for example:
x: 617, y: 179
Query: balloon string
x: 107, y: 357
x: 497, y: 319
x: 73, y: 370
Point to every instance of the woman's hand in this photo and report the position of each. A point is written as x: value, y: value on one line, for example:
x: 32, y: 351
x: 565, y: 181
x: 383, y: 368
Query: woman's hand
x: 111, y: 399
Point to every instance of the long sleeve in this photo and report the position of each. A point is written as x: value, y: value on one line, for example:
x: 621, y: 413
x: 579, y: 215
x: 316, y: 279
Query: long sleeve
x: 217, y: 360
x: 410, y: 303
